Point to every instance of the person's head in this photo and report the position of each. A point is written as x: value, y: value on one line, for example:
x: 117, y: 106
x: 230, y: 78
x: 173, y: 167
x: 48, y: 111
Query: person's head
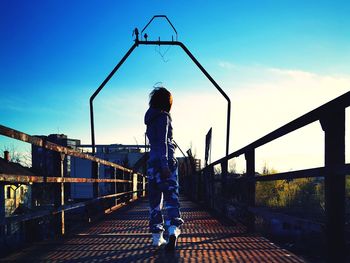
x: 161, y: 98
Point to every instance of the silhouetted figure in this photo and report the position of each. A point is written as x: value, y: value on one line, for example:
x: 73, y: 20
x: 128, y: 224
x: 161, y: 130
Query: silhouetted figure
x: 162, y: 169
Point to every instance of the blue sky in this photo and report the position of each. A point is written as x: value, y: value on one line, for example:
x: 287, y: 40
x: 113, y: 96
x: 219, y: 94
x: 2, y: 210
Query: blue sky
x: 266, y: 54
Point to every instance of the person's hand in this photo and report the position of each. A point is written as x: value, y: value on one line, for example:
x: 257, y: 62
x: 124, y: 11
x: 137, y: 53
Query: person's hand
x: 165, y: 173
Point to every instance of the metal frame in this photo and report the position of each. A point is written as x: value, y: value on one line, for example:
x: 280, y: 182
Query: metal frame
x: 332, y: 119
x: 62, y: 207
x: 158, y: 43
x: 12, y: 133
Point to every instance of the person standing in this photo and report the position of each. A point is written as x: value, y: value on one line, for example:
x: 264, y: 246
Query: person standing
x: 162, y: 169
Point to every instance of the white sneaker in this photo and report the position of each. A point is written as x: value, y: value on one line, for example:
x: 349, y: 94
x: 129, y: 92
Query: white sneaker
x: 158, y: 239
x: 174, y: 232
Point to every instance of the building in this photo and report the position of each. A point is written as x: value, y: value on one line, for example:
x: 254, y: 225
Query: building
x: 15, y: 200
x: 17, y: 196
x: 48, y: 163
x: 125, y: 155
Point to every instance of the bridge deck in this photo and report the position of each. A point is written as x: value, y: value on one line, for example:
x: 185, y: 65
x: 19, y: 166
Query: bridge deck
x: 123, y: 237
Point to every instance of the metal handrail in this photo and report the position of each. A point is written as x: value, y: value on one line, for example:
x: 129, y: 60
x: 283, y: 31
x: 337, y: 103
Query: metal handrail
x: 342, y: 101
x: 25, y: 178
x: 332, y: 119
x: 21, y: 136
x: 60, y: 209
x: 14, y: 178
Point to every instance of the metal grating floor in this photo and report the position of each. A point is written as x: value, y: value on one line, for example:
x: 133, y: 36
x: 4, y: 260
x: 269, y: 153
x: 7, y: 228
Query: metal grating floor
x: 123, y: 237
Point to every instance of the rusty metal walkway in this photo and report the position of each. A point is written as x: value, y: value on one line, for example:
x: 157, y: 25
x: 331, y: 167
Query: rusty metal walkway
x: 123, y: 237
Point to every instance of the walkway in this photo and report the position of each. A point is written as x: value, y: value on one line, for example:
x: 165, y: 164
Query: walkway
x: 123, y: 237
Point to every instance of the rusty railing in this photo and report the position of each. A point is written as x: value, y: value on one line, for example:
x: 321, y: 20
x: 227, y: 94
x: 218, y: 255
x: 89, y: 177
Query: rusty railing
x: 133, y: 183
x: 332, y: 119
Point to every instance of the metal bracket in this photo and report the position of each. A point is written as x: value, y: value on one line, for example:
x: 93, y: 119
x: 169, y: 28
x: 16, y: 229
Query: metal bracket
x: 158, y: 16
x: 159, y: 43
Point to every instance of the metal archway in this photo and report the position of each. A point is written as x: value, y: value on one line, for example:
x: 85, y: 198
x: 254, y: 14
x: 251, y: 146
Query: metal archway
x: 158, y: 43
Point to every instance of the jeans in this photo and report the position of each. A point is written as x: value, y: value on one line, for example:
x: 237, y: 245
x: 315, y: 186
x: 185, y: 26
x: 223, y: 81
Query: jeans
x: 160, y: 190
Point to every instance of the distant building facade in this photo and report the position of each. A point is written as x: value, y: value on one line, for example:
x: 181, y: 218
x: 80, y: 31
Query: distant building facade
x: 17, y: 196
x: 15, y: 200
x: 48, y: 163
x: 126, y: 156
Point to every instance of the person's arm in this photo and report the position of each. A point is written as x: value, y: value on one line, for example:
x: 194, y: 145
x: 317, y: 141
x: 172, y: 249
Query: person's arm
x: 162, y: 134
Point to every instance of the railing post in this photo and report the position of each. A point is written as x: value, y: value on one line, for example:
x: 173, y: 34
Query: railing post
x: 2, y: 209
x: 225, y: 193
x: 211, y: 187
x: 250, y: 196
x: 115, y: 185
x: 124, y: 187
x: 206, y: 175
x: 333, y: 124
x: 62, y: 194
x: 134, y: 186
x: 143, y: 186
x: 95, y: 175
x: 200, y: 186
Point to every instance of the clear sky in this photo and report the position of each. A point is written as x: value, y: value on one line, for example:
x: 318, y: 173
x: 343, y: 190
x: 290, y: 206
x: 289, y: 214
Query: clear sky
x: 275, y: 59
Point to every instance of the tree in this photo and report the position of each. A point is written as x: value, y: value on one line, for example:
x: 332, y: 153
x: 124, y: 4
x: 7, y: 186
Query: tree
x: 303, y: 197
x: 232, y: 166
x: 22, y: 158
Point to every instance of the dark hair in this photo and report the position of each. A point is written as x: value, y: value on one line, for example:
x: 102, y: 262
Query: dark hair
x: 161, y: 98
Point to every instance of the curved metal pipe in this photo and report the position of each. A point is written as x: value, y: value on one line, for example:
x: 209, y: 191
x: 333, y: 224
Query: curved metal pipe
x: 178, y: 43
x: 98, y: 91
x: 173, y: 43
x: 159, y: 16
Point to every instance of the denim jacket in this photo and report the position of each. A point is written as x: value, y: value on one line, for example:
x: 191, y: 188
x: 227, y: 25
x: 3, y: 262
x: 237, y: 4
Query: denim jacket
x: 160, y: 135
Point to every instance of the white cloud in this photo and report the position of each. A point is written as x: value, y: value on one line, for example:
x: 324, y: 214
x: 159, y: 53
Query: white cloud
x: 227, y: 65
x: 263, y: 99
x: 268, y: 100
x: 292, y: 73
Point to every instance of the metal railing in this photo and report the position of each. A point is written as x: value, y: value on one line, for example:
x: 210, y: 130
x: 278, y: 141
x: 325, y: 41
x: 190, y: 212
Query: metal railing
x: 134, y: 184
x: 332, y: 118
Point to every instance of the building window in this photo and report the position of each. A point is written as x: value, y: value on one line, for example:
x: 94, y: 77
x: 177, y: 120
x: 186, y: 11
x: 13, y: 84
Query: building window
x: 8, y: 192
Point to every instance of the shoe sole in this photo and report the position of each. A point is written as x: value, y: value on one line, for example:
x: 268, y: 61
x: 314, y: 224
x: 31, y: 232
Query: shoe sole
x: 170, y: 246
x: 159, y: 245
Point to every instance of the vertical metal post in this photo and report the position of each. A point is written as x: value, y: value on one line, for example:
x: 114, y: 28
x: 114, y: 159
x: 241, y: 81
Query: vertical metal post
x: 143, y: 186
x: 200, y: 183
x: 204, y: 184
x: 62, y: 195
x: 334, y: 127
x: 145, y: 142
x: 2, y: 207
x: 115, y: 185
x: 211, y: 186
x: 95, y: 175
x: 134, y: 185
x: 124, y: 188
x: 250, y: 194
x: 224, y: 188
